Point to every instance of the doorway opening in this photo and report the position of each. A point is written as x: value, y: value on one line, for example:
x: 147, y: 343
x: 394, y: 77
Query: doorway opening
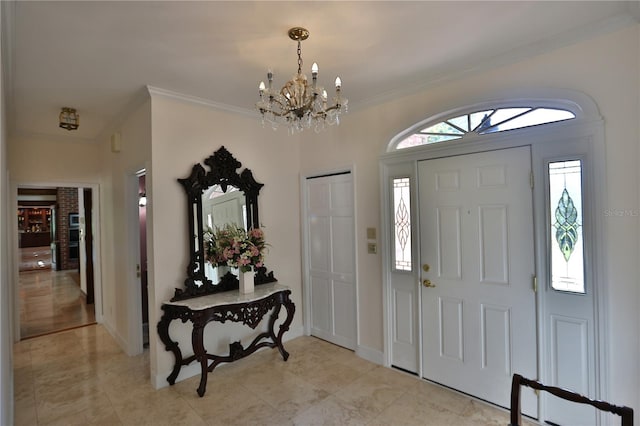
x: 55, y: 259
x: 142, y: 265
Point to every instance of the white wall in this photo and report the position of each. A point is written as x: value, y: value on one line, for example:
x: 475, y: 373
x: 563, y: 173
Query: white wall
x: 118, y: 203
x: 185, y: 134
x: 605, y: 68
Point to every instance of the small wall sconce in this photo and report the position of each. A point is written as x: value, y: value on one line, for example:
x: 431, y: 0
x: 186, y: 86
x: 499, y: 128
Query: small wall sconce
x: 142, y: 200
x: 69, y: 119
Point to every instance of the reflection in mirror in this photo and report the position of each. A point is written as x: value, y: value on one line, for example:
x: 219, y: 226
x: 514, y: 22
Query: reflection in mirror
x: 217, y: 197
x: 222, y: 208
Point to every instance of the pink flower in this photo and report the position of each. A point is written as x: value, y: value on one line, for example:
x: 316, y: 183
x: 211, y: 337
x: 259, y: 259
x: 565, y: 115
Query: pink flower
x: 256, y: 233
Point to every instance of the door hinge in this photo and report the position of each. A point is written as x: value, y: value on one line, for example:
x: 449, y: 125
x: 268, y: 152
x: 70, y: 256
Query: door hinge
x: 535, y: 284
x: 531, y: 179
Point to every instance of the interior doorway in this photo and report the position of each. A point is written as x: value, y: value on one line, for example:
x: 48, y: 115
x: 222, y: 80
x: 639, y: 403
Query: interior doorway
x: 142, y: 265
x: 55, y: 279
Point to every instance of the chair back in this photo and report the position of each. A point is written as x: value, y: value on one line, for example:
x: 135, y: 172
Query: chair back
x: 516, y: 419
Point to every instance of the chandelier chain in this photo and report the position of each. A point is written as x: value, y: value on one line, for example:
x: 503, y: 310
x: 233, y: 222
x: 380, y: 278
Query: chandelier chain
x: 299, y: 57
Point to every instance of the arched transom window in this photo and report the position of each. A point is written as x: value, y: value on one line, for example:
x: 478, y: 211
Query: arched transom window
x: 485, y: 122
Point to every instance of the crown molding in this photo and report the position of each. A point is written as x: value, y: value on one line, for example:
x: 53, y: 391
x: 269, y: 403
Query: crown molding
x: 157, y: 91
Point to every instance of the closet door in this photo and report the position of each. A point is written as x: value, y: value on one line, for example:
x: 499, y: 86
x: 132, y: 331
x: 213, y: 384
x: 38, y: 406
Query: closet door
x: 330, y: 252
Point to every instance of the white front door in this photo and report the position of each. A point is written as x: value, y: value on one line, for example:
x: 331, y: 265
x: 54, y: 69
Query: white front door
x: 477, y: 255
x: 331, y: 258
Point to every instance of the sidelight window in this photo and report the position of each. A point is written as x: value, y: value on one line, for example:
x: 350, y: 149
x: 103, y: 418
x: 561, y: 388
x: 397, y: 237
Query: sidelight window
x: 566, y: 236
x: 402, y: 223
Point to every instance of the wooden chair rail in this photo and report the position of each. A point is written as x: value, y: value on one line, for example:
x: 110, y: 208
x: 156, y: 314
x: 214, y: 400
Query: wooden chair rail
x: 626, y: 413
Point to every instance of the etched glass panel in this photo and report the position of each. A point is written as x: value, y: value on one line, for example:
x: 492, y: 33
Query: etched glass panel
x: 402, y: 224
x: 566, y: 236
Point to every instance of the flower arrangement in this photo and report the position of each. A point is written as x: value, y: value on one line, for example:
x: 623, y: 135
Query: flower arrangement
x: 235, y: 247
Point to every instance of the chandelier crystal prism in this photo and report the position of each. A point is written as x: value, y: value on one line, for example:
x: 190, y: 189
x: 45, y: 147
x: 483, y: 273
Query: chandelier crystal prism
x: 299, y: 104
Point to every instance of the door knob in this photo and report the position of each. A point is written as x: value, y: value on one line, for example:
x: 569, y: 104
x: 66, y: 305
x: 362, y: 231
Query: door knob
x: 428, y: 283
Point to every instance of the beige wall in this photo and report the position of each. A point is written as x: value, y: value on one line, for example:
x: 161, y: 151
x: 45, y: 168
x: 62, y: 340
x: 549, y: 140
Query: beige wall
x: 37, y: 160
x: 185, y: 134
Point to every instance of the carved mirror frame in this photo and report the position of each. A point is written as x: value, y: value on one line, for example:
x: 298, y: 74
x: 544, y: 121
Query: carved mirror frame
x: 222, y: 171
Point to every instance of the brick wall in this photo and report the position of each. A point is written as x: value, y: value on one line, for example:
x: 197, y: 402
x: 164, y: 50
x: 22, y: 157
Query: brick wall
x: 67, y: 203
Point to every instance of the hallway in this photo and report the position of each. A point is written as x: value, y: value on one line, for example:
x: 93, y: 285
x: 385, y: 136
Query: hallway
x: 51, y: 301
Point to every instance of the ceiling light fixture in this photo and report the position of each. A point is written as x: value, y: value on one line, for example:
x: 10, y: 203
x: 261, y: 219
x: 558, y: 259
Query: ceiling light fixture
x: 300, y: 105
x: 69, y: 119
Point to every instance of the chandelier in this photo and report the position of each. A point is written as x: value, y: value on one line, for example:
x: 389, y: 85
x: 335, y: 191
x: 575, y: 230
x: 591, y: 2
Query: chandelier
x: 300, y: 105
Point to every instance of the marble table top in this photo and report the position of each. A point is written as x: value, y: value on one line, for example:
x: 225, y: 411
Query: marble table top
x: 228, y: 297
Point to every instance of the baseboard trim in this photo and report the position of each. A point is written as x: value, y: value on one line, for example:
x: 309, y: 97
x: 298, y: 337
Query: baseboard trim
x: 372, y: 355
x: 119, y: 340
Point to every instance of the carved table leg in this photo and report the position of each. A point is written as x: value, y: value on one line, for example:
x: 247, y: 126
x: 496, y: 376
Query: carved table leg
x: 170, y: 345
x: 291, y: 309
x: 271, y: 331
x: 200, y: 354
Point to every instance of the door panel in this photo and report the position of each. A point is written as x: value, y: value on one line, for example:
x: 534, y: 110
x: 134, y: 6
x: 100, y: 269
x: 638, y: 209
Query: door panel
x: 451, y: 330
x: 449, y: 251
x: 493, y: 244
x: 321, y: 313
x: 496, y: 338
x: 479, y: 318
x: 403, y: 332
x: 331, y: 258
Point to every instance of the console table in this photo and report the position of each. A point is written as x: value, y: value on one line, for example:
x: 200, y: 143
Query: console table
x: 233, y: 306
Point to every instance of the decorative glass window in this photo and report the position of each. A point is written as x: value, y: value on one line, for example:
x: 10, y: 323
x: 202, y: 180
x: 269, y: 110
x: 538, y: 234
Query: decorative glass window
x: 485, y: 122
x: 402, y: 223
x: 566, y: 236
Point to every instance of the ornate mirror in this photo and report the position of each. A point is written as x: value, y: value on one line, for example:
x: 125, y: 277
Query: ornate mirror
x: 218, y: 196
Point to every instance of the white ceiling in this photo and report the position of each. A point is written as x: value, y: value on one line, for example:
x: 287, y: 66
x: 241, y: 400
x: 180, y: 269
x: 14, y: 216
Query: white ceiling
x: 98, y: 56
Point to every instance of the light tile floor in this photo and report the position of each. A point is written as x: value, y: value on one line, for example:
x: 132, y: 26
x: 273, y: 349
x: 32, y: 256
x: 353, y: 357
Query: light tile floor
x: 51, y: 301
x: 81, y: 377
